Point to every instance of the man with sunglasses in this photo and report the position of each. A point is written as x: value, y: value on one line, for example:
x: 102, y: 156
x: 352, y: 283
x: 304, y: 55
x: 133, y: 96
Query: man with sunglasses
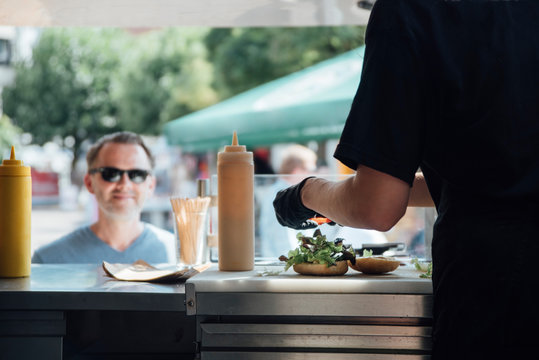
x: 120, y: 177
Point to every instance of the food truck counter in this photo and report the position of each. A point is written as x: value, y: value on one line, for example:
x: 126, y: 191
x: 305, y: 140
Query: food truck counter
x: 271, y: 314
x: 86, y: 287
x: 75, y: 311
x: 72, y: 311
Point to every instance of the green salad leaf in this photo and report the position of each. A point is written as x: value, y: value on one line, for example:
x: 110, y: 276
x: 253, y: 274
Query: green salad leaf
x: 318, y: 250
x: 427, y: 272
x: 367, y: 253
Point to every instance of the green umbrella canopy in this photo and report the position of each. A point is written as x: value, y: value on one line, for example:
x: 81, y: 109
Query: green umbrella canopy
x: 310, y: 104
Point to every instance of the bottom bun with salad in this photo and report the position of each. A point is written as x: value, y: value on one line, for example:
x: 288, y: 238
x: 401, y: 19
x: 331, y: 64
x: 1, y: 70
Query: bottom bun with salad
x: 315, y: 255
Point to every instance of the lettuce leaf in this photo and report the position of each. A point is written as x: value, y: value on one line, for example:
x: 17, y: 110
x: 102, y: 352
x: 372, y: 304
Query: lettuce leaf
x: 318, y: 250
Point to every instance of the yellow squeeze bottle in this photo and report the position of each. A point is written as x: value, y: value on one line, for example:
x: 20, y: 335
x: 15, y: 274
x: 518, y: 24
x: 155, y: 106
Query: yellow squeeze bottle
x: 235, y: 207
x: 15, y: 217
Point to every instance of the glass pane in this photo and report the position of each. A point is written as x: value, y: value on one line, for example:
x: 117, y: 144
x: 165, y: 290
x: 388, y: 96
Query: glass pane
x: 407, y: 237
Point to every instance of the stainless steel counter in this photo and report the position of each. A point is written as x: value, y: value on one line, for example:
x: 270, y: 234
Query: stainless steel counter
x: 249, y: 315
x: 76, y: 311
x: 214, y: 292
x: 273, y: 278
x: 86, y: 287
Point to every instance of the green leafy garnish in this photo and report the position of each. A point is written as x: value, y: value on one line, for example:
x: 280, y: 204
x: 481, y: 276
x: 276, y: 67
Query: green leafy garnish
x: 367, y: 253
x: 428, y: 274
x: 317, y: 250
x: 420, y: 266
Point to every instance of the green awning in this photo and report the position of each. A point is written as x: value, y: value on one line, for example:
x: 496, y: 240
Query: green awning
x: 311, y: 104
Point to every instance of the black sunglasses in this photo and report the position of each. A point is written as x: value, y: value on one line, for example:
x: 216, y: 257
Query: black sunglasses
x: 112, y: 174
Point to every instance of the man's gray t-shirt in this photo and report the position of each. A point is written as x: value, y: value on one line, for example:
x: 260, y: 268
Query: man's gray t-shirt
x: 82, y: 246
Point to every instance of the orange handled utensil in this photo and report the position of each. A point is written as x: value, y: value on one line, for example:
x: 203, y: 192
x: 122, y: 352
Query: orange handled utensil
x: 320, y: 220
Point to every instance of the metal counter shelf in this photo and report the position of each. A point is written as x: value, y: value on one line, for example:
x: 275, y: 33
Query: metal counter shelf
x: 86, y: 287
x: 245, y: 315
x: 76, y: 311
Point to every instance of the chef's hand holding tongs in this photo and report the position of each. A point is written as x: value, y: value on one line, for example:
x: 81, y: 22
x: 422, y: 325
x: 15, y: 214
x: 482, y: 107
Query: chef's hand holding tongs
x: 291, y: 212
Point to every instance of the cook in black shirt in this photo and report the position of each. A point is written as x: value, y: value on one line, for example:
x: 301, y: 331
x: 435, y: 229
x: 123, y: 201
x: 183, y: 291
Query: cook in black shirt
x: 451, y: 88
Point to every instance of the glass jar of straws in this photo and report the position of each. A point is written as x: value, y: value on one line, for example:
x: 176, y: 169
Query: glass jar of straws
x: 189, y: 227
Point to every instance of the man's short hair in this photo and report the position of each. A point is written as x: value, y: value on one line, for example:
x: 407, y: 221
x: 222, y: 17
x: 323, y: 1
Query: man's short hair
x: 297, y: 157
x: 121, y: 137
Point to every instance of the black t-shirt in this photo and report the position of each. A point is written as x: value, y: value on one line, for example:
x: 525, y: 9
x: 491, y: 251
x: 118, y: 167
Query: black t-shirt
x: 452, y: 87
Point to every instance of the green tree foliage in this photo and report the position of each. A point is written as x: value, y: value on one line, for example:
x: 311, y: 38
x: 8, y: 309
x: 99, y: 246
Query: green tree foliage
x: 64, y: 89
x: 82, y: 83
x: 165, y: 77
x: 9, y: 135
x: 247, y: 57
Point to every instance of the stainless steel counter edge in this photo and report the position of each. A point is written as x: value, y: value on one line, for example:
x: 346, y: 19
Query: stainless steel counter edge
x: 331, y: 305
x: 400, y: 294
x: 273, y: 279
x: 50, y: 300
x: 86, y: 287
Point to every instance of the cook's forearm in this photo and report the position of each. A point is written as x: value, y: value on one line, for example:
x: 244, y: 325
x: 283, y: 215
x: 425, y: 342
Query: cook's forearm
x: 369, y: 200
x: 327, y: 198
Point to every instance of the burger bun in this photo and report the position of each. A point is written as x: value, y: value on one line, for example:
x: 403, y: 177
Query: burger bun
x: 340, y: 268
x: 375, y: 264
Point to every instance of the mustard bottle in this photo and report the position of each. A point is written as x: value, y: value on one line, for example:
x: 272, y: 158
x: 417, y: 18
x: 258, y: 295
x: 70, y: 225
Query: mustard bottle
x: 235, y: 207
x: 15, y: 217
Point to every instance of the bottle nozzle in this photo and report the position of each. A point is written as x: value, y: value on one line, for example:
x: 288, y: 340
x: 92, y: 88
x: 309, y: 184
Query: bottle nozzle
x: 12, y: 160
x: 235, y: 147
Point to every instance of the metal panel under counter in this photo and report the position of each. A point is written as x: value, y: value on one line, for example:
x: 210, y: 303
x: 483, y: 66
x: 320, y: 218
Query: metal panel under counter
x: 268, y: 311
x: 74, y: 311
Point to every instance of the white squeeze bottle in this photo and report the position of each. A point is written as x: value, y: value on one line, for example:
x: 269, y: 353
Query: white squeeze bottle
x: 235, y: 207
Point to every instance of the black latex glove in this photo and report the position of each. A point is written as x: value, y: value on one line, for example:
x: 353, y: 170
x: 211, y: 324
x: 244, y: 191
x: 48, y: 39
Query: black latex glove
x: 290, y: 210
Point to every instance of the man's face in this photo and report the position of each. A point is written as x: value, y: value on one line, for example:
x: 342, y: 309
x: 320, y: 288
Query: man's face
x: 122, y: 200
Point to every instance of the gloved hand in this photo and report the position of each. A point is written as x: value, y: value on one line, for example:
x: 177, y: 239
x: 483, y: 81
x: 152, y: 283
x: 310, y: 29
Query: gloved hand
x: 290, y: 210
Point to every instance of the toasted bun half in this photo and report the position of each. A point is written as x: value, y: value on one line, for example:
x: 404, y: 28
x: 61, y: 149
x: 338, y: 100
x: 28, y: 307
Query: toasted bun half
x: 375, y: 264
x: 340, y: 268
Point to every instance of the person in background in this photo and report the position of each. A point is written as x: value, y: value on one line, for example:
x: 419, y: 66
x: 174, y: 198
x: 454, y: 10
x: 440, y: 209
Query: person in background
x: 451, y: 88
x: 120, y: 177
x: 298, y: 160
